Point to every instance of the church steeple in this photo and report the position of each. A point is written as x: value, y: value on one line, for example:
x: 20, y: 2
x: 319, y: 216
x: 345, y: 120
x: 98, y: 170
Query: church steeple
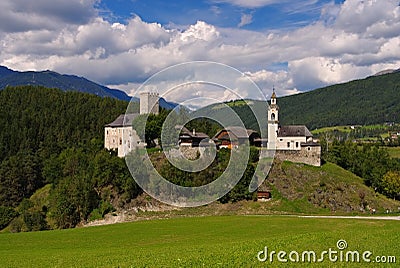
x: 273, y: 121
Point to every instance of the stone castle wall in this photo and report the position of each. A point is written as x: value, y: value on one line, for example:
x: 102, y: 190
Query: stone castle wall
x: 188, y: 152
x: 307, y: 155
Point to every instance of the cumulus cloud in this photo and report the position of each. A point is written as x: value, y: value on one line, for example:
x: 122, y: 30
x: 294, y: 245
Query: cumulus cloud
x: 280, y: 80
x: 352, y: 40
x: 320, y: 71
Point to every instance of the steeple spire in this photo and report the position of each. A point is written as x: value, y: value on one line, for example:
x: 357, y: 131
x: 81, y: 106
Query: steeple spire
x: 273, y: 121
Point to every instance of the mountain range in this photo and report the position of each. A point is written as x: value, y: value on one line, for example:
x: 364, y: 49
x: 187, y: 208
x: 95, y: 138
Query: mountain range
x: 50, y: 79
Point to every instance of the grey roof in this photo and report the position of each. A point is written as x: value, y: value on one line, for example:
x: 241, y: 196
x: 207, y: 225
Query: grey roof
x: 185, y: 131
x: 123, y: 120
x: 294, y: 131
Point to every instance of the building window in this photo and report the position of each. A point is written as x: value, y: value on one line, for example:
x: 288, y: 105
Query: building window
x: 273, y: 117
x: 297, y: 144
x: 288, y: 144
x: 280, y: 139
x: 309, y: 148
x: 120, y: 141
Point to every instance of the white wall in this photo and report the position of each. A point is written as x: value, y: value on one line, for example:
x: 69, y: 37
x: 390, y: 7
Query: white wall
x: 123, y: 139
x: 282, y: 143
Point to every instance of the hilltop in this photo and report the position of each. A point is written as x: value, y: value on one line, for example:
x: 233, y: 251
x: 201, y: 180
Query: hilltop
x: 305, y: 189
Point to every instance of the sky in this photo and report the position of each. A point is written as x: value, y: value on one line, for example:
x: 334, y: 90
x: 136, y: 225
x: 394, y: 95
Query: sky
x: 294, y: 46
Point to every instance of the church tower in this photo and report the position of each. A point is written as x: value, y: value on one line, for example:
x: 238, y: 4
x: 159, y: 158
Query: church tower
x: 273, y: 122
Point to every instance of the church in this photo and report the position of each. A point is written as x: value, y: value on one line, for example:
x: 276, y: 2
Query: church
x: 293, y: 143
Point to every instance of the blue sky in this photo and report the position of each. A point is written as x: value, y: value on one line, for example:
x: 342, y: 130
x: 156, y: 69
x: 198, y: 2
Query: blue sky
x: 295, y: 46
x: 278, y: 15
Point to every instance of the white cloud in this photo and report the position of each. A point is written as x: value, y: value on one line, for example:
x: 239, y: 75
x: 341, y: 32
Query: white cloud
x: 279, y: 80
x: 322, y: 70
x: 358, y: 16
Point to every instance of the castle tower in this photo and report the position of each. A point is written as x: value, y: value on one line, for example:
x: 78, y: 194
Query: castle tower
x: 273, y: 122
x: 149, y: 103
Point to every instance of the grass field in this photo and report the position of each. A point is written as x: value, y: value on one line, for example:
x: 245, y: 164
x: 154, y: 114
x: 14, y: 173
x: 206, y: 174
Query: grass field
x: 219, y: 241
x: 326, y: 129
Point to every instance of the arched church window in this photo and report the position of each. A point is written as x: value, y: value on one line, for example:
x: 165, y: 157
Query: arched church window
x: 272, y: 116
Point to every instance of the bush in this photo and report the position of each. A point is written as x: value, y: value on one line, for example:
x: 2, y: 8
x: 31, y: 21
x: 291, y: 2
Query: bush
x: 7, y: 214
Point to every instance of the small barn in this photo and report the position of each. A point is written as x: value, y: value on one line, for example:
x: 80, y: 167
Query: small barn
x: 192, y: 138
x: 232, y: 137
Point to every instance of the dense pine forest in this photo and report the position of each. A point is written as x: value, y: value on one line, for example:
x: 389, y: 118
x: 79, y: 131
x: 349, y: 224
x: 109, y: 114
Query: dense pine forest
x: 55, y: 138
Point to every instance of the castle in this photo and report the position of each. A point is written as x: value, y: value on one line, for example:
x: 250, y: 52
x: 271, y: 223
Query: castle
x: 120, y: 136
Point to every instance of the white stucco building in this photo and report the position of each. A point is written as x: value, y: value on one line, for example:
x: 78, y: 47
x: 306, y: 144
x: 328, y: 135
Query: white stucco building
x: 120, y: 136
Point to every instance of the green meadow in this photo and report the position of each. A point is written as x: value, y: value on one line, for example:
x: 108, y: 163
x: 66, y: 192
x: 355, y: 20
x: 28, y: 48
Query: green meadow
x: 213, y: 241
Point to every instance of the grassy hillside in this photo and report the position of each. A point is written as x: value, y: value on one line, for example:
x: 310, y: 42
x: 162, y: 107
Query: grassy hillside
x: 229, y: 241
x: 368, y: 101
x: 306, y: 189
